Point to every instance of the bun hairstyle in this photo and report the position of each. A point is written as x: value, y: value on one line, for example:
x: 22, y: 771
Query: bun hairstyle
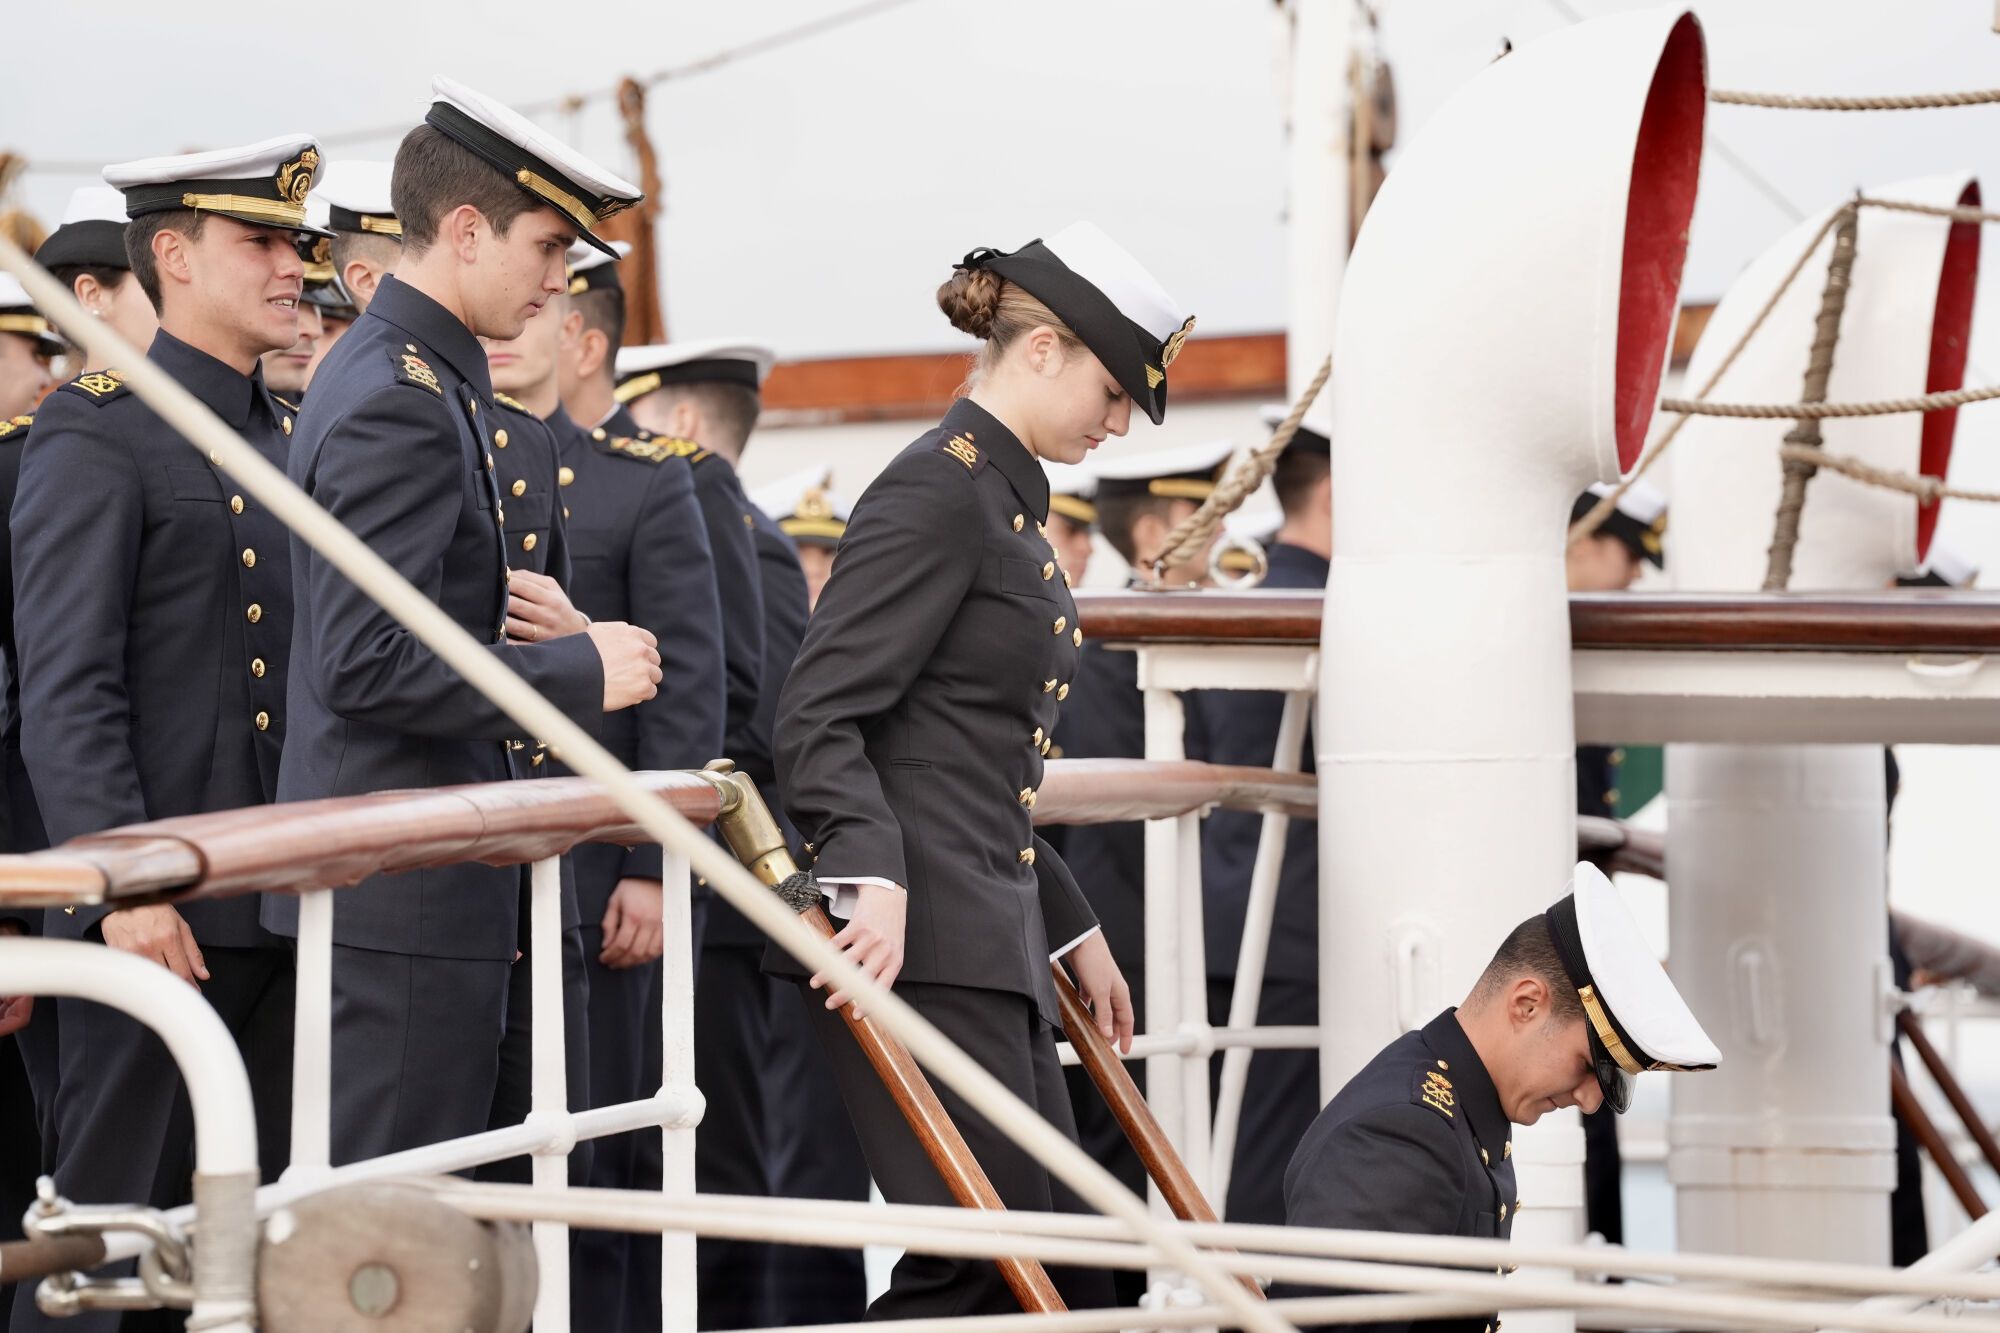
x: 980, y: 302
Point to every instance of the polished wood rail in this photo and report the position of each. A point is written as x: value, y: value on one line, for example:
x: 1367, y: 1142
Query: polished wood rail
x: 1891, y: 621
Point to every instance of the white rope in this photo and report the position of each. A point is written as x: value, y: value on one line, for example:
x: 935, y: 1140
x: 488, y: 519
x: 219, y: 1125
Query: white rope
x: 1908, y: 102
x: 484, y: 672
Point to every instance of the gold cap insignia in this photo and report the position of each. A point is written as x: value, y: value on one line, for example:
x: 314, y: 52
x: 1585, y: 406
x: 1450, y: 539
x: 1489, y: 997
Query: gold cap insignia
x: 814, y: 504
x: 1175, y: 343
x: 1650, y: 538
x: 295, y: 178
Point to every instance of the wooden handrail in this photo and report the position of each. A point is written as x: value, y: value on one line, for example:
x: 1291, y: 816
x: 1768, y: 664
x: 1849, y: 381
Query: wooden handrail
x: 1908, y: 621
x: 321, y: 844
x: 1116, y: 791
x: 1954, y: 1092
x: 1911, y: 1112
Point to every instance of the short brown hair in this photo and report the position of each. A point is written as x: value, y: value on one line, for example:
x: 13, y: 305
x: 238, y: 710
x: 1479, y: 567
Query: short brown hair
x: 1120, y: 511
x: 1298, y: 472
x: 1531, y: 951
x: 434, y: 174
x: 603, y: 309
x: 373, y: 247
x: 139, y: 234
x: 730, y: 409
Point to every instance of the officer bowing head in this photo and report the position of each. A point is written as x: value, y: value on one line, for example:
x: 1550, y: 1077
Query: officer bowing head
x: 490, y: 204
x: 1574, y: 1007
x: 212, y: 242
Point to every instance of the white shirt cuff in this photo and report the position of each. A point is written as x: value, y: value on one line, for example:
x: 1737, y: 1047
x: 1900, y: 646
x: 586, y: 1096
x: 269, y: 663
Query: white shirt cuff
x: 1057, y: 955
x: 843, y: 893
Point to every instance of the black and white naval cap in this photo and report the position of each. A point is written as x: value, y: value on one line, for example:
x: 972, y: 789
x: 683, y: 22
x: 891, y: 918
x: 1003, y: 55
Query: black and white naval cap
x: 1944, y: 567
x: 1636, y: 1019
x: 1108, y: 299
x: 1073, y: 492
x: 592, y: 270
x: 550, y: 170
x: 264, y: 183
x: 1639, y: 521
x: 806, y: 507
x: 92, y: 231
x: 1315, y: 432
x: 356, y: 191
x: 640, y: 370
x: 323, y: 289
x: 1185, y: 472
x: 19, y: 316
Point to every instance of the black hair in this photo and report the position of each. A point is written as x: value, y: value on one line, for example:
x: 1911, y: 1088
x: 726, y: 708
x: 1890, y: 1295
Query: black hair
x: 1529, y: 950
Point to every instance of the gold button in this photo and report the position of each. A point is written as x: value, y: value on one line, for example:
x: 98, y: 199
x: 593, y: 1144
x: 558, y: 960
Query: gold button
x: 500, y: 438
x: 1045, y: 746
x: 249, y: 558
x: 409, y: 347
x: 1076, y: 637
x: 263, y: 721
x: 565, y: 476
x: 1062, y: 623
x: 255, y: 612
x: 257, y: 667
x: 1066, y: 582
x: 520, y: 488
x: 1503, y: 1212
x: 1027, y: 796
x: 287, y: 424
x: 528, y: 542
x: 537, y: 760
x: 1484, y: 1160
x: 215, y: 457
x: 597, y: 434
x: 1618, y: 755
x: 517, y: 745
x: 1611, y: 797
x: 1042, y: 528
x: 235, y: 504
x: 1506, y: 1150
x: 489, y: 462
x: 1027, y: 856
x: 1020, y: 521
x: 1048, y: 571
x: 1038, y: 737
x: 472, y: 406
x: 1063, y: 693
x: 565, y: 511
x: 500, y: 515
x: 1443, y: 1065
x: 1049, y: 686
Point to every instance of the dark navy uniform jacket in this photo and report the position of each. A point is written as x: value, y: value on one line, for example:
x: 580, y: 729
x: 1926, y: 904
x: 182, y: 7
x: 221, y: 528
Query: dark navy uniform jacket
x: 726, y: 513
x: 20, y: 819
x: 397, y: 443
x: 1417, y: 1142
x: 1597, y: 780
x: 787, y: 603
x: 639, y: 553
x: 1242, y: 728
x: 152, y: 615
x: 912, y: 730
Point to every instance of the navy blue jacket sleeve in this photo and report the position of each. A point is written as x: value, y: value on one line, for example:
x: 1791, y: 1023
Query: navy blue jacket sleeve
x: 77, y: 525
x: 673, y: 592
x: 735, y: 551
x: 911, y: 553
x: 397, y: 487
x: 1066, y: 913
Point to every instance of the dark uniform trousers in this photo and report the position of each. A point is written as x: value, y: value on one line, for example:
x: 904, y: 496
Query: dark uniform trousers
x: 537, y: 540
x: 397, y: 442
x: 1603, y: 1164
x: 910, y: 742
x: 640, y: 553
x: 1416, y: 1143
x: 152, y: 620
x: 1282, y: 1091
x: 763, y: 1073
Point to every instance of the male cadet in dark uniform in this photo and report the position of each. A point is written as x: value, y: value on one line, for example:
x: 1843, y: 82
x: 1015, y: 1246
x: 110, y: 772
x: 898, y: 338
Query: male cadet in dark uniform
x: 638, y: 553
x: 1609, y: 560
x: 707, y: 396
x: 812, y: 516
x: 327, y: 296
x: 1072, y: 517
x: 367, y: 240
x: 1571, y: 1009
x: 27, y: 1049
x: 1282, y: 1091
x: 153, y: 620
x: 397, y: 442
x: 1140, y: 499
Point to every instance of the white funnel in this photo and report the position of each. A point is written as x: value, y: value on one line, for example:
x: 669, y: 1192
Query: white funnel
x: 1775, y: 853
x: 1504, y: 323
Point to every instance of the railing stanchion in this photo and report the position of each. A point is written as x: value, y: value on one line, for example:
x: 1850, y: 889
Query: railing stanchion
x: 677, y: 1249
x: 1165, y: 740
x: 548, y: 1086
x: 312, y: 1040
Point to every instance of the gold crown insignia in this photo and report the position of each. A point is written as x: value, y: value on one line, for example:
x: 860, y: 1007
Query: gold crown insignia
x: 814, y: 504
x: 1175, y: 343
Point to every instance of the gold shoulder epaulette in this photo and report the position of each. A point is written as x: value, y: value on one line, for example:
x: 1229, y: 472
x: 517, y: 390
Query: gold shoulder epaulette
x: 99, y: 386
x: 15, y: 426
x: 413, y: 369
x: 679, y: 448
x: 1433, y: 1089
x: 286, y: 402
x: 961, y: 447
x: 507, y: 402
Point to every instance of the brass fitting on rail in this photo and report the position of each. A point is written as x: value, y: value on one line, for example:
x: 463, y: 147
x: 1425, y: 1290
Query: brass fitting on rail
x: 748, y: 825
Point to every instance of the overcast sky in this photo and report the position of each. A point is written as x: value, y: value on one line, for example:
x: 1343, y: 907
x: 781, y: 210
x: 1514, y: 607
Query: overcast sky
x: 817, y: 193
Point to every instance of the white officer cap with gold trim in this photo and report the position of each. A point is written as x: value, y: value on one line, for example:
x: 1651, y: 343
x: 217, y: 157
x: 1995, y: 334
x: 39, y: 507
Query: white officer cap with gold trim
x: 1315, y: 432
x: 264, y: 183
x: 593, y: 270
x: 92, y: 231
x: 1186, y: 472
x: 1108, y: 299
x: 18, y: 315
x: 356, y: 191
x: 1073, y: 492
x: 729, y: 360
x: 806, y: 507
x: 1636, y: 1019
x: 553, y: 172
x: 1639, y: 521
